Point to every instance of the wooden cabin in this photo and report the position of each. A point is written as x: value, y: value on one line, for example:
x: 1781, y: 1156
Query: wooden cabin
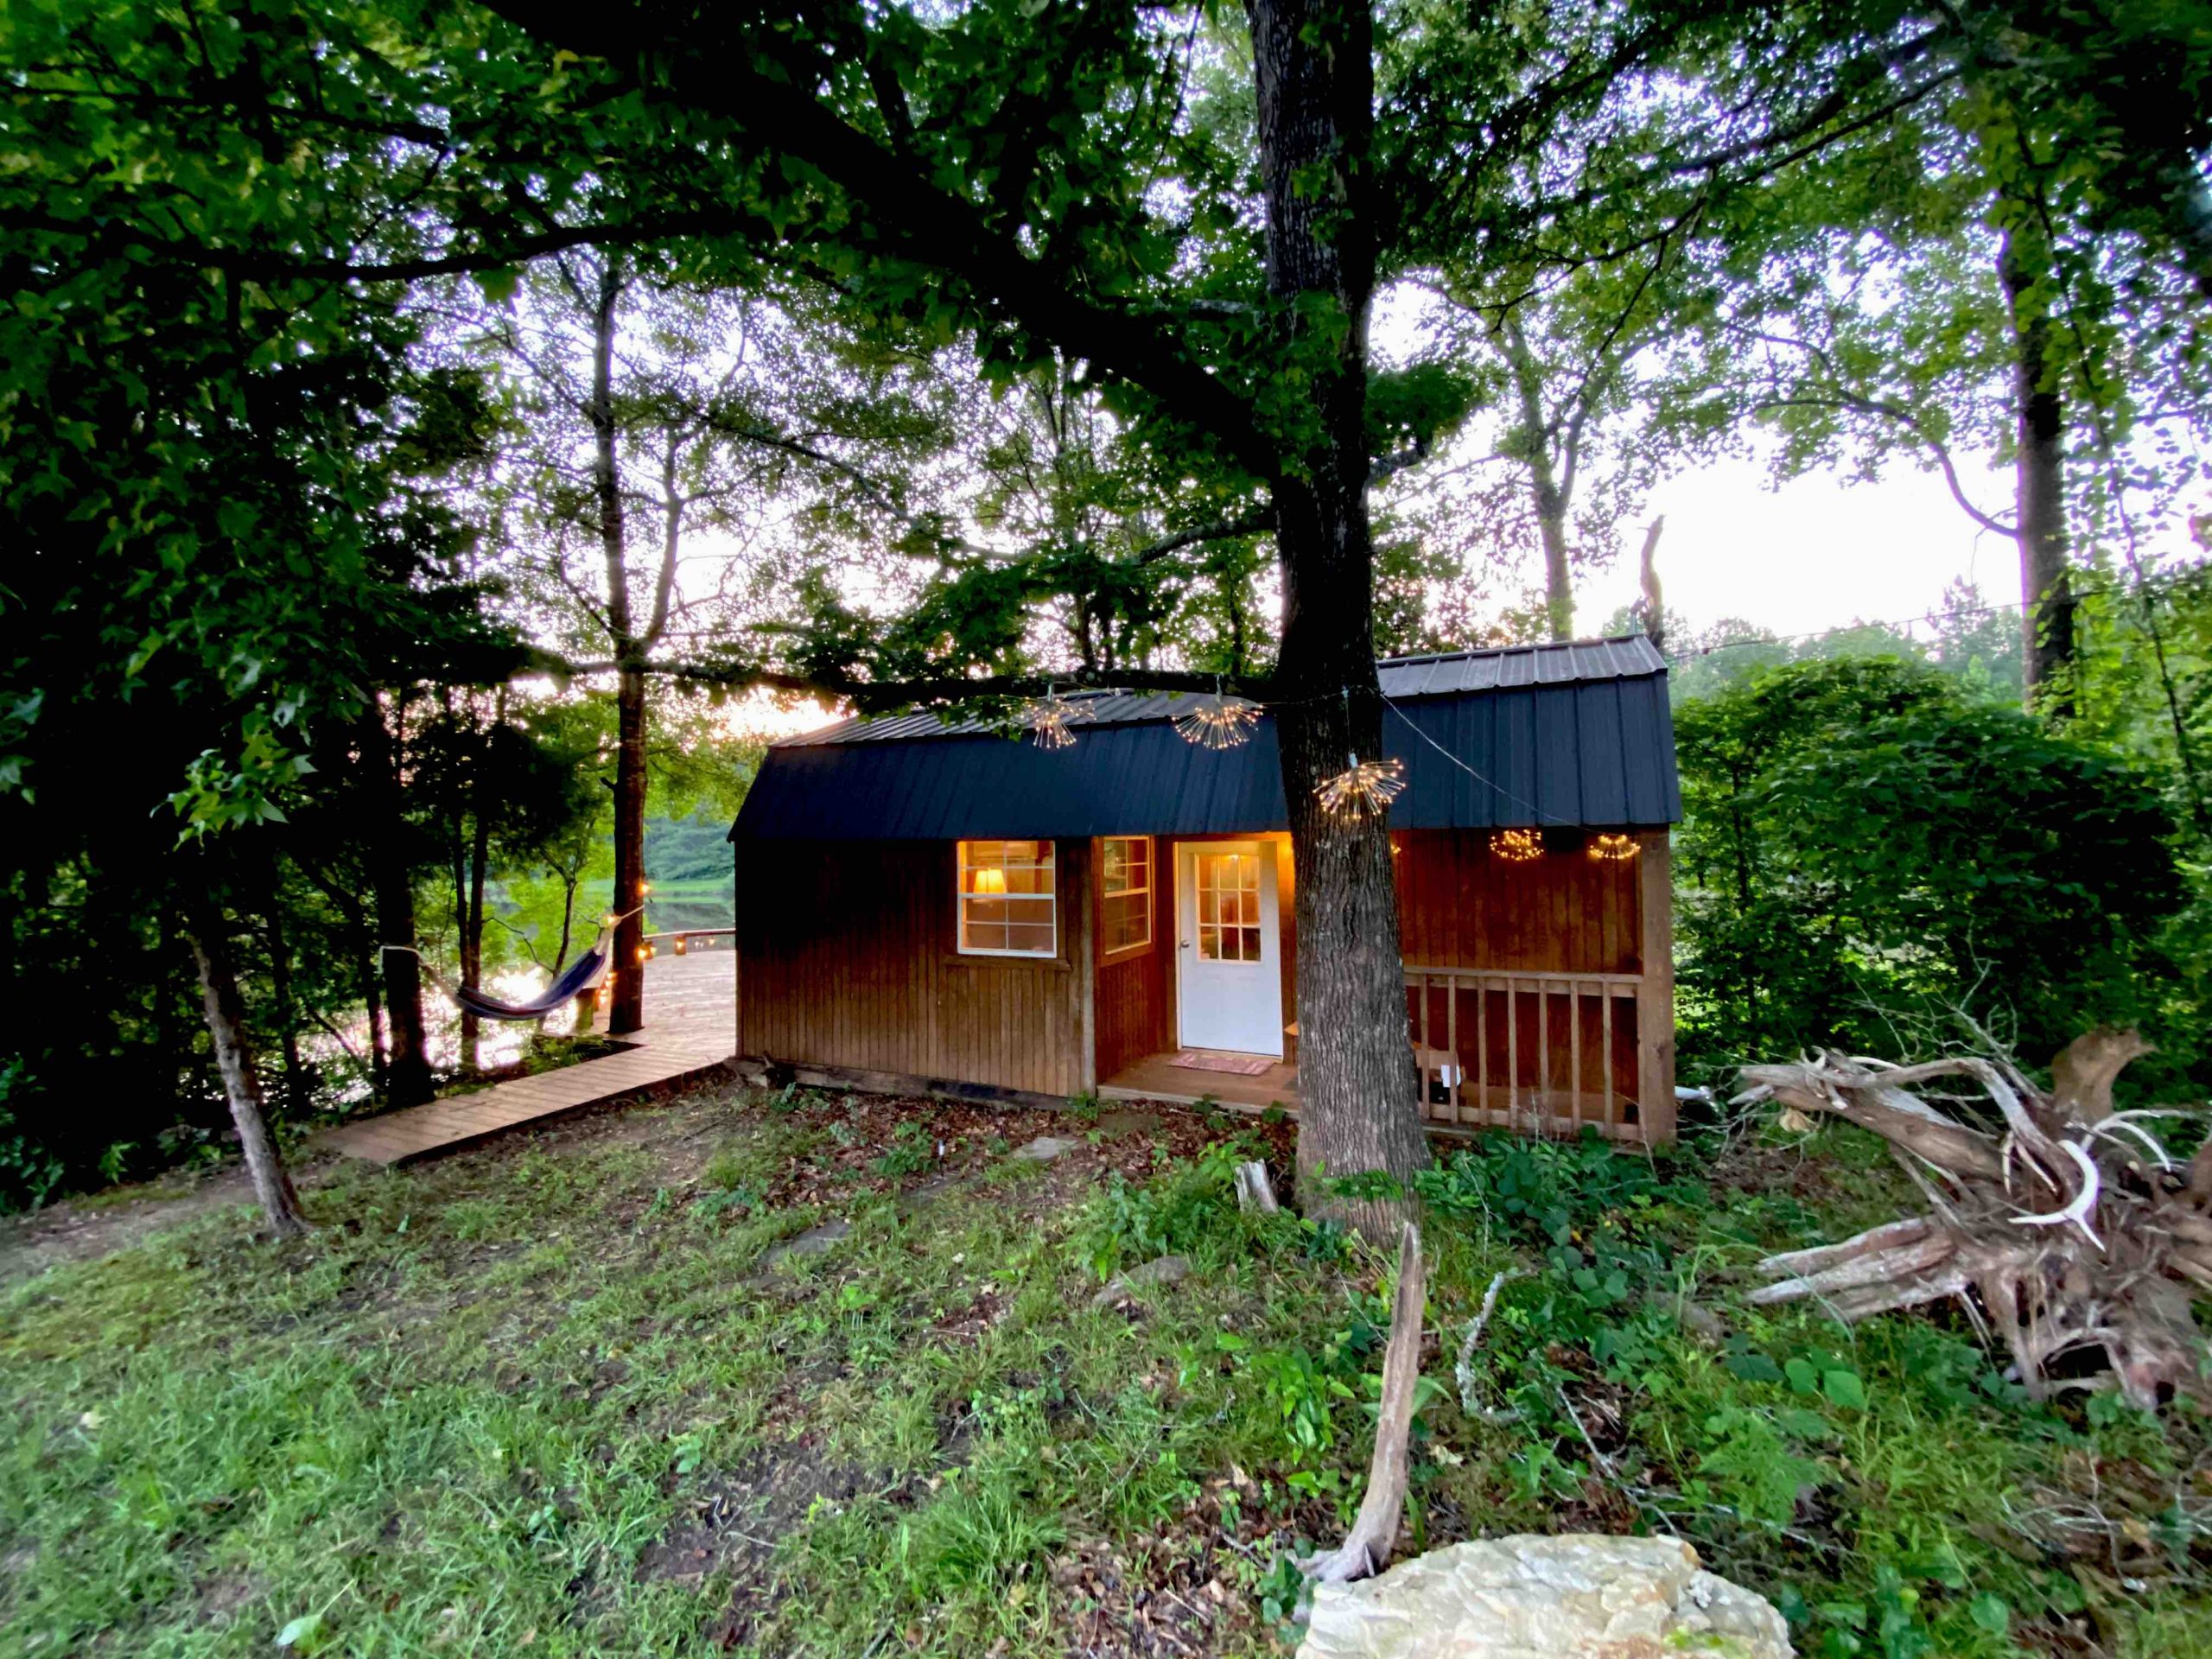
x: 938, y: 908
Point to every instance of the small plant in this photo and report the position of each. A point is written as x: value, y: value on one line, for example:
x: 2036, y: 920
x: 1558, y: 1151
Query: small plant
x: 1083, y: 1108
x: 912, y: 1151
x: 743, y: 1197
x: 1188, y: 1209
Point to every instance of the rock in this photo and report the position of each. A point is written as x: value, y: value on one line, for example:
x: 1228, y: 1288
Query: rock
x: 812, y: 1242
x: 1045, y: 1148
x: 1128, y: 1120
x: 1698, y: 1323
x: 1579, y: 1596
x: 1166, y: 1270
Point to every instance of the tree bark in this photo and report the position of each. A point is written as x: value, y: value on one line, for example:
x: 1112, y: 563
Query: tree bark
x: 2039, y: 483
x: 288, y: 1012
x: 626, y: 1011
x: 1313, y: 67
x: 472, y: 926
x: 225, y: 1012
x: 392, y: 877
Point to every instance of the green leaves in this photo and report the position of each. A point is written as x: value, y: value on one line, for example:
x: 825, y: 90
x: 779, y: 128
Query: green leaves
x: 1863, y: 834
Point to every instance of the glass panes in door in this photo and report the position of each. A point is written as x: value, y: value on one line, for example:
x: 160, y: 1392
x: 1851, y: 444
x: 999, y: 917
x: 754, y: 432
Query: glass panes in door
x: 1229, y: 906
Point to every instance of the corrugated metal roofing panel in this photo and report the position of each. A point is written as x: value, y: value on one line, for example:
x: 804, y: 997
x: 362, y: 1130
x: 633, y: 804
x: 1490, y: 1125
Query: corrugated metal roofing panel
x: 1594, y: 753
x: 1443, y: 675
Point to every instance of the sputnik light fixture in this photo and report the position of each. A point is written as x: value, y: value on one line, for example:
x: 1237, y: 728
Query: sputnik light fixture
x: 1363, y: 788
x: 1049, y: 717
x: 1516, y: 846
x: 1612, y: 848
x: 1218, y: 722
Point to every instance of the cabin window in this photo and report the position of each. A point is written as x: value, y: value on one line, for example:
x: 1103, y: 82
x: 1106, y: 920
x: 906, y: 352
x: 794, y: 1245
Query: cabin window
x: 1007, y: 902
x: 1125, y: 894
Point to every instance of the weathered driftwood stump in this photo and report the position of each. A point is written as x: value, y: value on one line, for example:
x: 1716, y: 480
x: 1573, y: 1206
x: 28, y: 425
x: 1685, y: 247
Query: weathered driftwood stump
x: 2051, y: 1219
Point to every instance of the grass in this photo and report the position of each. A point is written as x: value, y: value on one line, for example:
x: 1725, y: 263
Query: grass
x: 562, y: 1398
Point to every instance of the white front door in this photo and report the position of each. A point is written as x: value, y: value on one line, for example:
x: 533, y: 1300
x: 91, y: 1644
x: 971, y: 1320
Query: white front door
x: 1228, y: 960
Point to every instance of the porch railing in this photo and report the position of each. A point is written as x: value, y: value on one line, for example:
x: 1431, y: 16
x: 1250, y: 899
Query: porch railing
x: 1542, y: 1053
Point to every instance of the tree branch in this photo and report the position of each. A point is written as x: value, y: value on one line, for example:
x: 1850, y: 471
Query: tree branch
x: 919, y: 222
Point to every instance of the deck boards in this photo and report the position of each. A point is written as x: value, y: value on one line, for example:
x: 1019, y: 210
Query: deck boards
x: 691, y: 1033
x: 1156, y: 1078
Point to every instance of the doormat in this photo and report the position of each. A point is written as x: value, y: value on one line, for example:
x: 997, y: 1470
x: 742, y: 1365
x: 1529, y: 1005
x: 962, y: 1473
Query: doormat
x: 1242, y: 1065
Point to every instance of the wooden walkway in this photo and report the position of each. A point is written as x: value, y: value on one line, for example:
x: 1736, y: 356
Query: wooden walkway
x: 691, y: 1034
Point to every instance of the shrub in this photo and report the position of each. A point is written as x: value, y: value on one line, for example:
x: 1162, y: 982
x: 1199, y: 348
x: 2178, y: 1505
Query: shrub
x: 1867, y: 851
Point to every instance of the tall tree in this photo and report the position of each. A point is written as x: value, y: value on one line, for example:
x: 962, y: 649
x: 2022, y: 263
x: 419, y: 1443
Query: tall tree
x: 1059, y: 180
x: 208, y: 449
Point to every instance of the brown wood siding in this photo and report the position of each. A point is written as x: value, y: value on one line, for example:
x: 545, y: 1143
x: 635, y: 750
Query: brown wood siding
x: 847, y: 958
x: 1132, y: 1017
x: 1530, y: 976
x: 1461, y: 906
x: 1132, y: 1014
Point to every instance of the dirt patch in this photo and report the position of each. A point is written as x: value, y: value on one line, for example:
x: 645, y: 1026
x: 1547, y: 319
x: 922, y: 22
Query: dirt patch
x: 733, y: 1523
x: 223, y: 1596
x: 1156, y: 1597
x: 914, y: 1148
x: 80, y: 1230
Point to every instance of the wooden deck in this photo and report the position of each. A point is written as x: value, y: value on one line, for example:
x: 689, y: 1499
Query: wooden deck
x: 1157, y: 1077
x: 691, y: 1034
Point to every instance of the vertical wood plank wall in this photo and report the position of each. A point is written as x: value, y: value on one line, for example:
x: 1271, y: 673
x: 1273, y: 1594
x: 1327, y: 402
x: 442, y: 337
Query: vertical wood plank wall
x: 1548, y: 983
x: 847, y: 957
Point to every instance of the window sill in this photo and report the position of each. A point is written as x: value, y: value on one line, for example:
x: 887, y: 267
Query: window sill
x: 1049, y: 964
x: 1127, y: 953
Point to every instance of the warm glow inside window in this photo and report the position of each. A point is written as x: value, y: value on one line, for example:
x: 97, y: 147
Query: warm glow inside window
x: 1006, y: 907
x: 1125, y: 894
x: 1229, y: 906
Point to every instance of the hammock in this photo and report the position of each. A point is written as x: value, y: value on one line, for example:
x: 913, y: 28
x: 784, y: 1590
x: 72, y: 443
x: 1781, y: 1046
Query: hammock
x: 581, y: 975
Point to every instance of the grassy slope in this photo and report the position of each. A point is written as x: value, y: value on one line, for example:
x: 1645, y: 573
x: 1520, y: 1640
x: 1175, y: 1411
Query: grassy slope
x: 549, y: 1399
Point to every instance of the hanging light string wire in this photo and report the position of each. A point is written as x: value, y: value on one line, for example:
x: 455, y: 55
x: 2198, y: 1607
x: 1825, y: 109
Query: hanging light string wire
x: 1537, y: 813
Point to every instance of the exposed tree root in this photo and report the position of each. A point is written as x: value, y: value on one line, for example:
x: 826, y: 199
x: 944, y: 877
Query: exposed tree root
x: 2059, y: 1224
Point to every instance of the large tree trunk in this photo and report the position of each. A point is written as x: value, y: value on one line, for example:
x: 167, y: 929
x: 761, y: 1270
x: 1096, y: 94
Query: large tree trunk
x: 472, y: 934
x: 626, y: 1011
x: 1550, y: 492
x: 392, y: 878
x: 226, y: 1011
x: 2046, y: 584
x: 1359, y: 1114
x: 1558, y: 580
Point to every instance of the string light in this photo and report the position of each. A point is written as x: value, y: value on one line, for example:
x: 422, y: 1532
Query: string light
x: 1612, y: 847
x: 1366, y: 786
x: 1049, y: 718
x: 1516, y: 846
x: 1218, y: 722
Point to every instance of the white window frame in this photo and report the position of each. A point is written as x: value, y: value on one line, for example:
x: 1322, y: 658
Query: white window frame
x: 1151, y: 855
x: 1048, y: 861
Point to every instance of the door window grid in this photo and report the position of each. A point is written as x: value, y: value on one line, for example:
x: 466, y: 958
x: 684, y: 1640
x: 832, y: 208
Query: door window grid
x: 1229, y: 906
x: 1007, y: 904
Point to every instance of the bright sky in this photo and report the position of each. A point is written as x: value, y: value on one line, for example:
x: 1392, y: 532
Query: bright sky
x: 1821, y: 552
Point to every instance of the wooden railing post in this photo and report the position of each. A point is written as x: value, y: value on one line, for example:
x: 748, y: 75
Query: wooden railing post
x: 1654, y: 997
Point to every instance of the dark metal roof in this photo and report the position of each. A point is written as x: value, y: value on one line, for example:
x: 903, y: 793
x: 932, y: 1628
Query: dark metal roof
x: 1443, y: 674
x: 1573, y: 734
